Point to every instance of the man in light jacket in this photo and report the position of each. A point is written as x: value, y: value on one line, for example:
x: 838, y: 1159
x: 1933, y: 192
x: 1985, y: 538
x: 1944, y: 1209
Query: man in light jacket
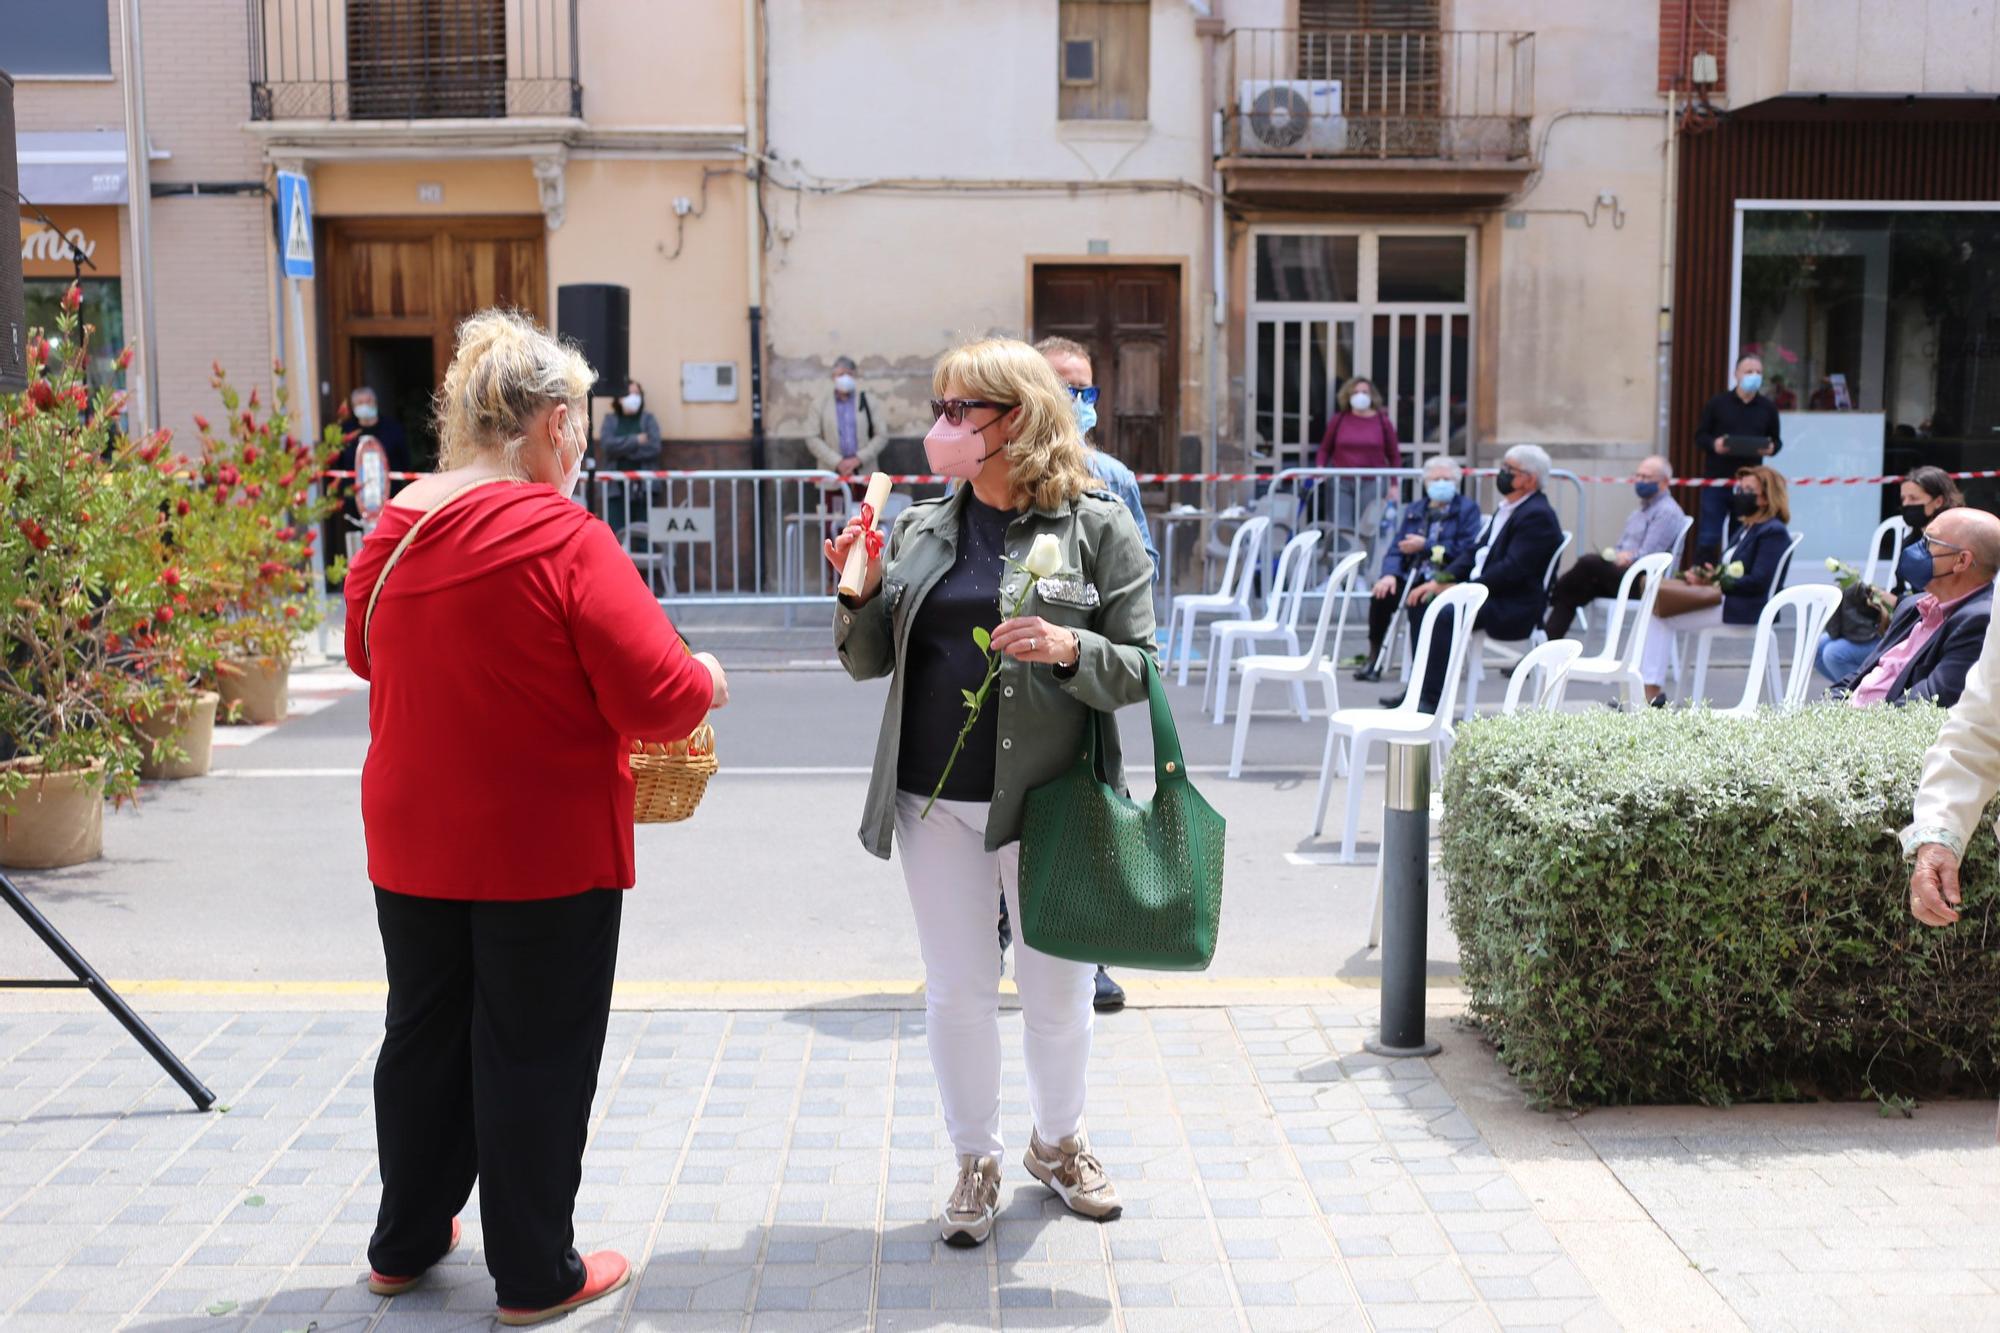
x: 849, y: 429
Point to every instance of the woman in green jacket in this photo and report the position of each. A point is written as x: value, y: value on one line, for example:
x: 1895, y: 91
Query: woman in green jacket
x: 1078, y: 647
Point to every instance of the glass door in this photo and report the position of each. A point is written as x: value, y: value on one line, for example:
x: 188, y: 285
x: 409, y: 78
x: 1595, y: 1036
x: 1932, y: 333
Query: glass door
x: 1301, y: 361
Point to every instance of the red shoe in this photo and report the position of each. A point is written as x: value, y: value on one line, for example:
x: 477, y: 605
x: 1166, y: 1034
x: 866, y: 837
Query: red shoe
x: 396, y: 1286
x: 603, y: 1273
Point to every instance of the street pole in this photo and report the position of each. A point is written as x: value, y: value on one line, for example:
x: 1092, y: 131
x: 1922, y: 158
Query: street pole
x: 304, y: 377
x: 139, y: 206
x: 1406, y: 905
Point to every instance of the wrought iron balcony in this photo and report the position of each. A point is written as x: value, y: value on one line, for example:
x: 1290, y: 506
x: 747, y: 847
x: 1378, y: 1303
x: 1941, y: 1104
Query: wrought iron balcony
x: 1379, y: 93
x: 342, y: 60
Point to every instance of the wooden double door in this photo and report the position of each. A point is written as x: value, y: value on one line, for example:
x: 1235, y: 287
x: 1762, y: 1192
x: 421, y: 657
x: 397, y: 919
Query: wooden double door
x: 393, y: 293
x: 1129, y: 316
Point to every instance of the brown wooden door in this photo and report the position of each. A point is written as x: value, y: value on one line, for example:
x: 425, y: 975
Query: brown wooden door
x: 418, y: 277
x: 1129, y: 316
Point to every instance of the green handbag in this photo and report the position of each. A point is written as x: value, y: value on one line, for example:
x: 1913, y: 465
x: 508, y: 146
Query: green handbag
x: 1107, y: 879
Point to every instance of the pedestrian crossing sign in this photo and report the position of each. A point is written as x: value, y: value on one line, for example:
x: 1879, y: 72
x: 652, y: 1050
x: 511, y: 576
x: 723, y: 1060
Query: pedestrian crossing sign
x: 295, y: 224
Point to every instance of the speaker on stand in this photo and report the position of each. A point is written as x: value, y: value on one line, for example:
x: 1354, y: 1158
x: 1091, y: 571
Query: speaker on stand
x: 13, y: 297
x: 597, y: 317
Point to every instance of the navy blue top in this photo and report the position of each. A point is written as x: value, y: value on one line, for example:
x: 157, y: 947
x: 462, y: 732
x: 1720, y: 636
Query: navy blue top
x: 1454, y: 526
x: 942, y: 660
x: 1760, y: 547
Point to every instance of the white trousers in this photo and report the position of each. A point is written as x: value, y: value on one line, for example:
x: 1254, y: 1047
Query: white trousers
x: 1660, y: 641
x: 952, y: 877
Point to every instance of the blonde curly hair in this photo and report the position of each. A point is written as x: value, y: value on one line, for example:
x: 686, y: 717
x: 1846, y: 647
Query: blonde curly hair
x: 1046, y: 459
x: 506, y: 372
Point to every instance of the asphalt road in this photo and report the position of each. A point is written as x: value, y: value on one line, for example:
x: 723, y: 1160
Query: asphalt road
x: 257, y: 873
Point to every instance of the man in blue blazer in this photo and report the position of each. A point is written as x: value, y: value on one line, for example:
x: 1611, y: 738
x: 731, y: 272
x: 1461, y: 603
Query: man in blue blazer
x: 1934, y: 638
x: 1520, y: 542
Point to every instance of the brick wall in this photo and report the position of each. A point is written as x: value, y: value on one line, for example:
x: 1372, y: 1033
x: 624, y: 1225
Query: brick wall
x: 198, y: 90
x: 1702, y: 25
x: 63, y: 104
x: 212, y: 299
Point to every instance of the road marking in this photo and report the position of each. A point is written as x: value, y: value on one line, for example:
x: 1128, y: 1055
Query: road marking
x: 751, y: 988
x: 775, y: 771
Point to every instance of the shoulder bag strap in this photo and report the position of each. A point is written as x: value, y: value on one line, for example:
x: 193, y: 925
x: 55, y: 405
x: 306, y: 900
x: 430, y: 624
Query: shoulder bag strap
x: 375, y: 593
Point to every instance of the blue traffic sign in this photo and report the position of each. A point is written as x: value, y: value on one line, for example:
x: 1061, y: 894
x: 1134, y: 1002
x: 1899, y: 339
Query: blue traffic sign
x: 295, y: 233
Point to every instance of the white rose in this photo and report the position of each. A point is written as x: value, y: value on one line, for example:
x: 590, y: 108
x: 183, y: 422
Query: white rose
x: 1045, y: 557
x: 1609, y: 553
x: 1832, y: 565
x: 1437, y: 555
x: 1735, y: 570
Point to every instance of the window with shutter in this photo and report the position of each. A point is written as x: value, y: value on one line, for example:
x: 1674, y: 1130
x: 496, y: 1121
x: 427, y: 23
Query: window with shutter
x: 1386, y: 54
x: 426, y: 59
x: 1103, y: 58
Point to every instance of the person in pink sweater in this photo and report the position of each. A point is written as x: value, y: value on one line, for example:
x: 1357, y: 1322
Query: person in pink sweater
x: 1360, y: 434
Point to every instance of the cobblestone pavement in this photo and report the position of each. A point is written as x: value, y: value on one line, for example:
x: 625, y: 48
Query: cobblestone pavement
x: 780, y: 1170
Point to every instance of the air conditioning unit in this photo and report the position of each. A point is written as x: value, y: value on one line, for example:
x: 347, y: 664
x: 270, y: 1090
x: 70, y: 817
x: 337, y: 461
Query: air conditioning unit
x: 1291, y: 116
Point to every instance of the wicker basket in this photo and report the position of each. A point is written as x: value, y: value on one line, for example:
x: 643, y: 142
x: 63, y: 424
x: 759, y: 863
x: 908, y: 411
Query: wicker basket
x: 668, y: 780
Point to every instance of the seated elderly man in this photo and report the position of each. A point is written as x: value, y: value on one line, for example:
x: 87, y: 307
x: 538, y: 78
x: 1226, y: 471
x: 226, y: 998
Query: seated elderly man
x: 1934, y: 638
x: 1650, y: 528
x: 1520, y: 542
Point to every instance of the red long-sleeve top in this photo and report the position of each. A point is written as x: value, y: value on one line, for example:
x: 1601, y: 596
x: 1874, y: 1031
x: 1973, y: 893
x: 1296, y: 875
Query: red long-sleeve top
x: 514, y: 653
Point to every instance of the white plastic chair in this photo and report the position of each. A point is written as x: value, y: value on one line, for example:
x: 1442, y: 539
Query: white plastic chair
x: 1705, y: 639
x: 1314, y: 664
x: 1613, y: 667
x: 1549, y: 660
x: 1815, y: 604
x: 1282, y: 608
x: 1892, y: 528
x: 1364, y: 727
x: 1239, y: 576
x: 1584, y: 613
x: 1475, y: 669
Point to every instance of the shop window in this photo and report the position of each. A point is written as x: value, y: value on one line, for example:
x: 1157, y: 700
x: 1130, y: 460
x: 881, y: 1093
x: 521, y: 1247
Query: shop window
x: 101, y: 310
x: 1420, y: 268
x: 1308, y: 268
x: 1896, y: 312
x: 71, y: 41
x: 1103, y: 56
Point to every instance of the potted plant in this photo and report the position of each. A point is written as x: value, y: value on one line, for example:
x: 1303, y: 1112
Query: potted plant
x: 78, y: 604
x: 249, y: 540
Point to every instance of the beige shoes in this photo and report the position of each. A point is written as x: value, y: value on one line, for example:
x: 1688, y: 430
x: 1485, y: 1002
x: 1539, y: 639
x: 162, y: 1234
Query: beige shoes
x: 968, y: 1214
x: 1070, y: 1169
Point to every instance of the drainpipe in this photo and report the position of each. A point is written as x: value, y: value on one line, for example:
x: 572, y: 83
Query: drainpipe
x: 1669, y: 177
x: 139, y: 201
x: 1210, y: 30
x: 753, y: 213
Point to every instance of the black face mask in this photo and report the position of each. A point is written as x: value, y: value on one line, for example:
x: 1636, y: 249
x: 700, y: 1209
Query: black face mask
x: 1742, y: 503
x: 1915, y: 517
x: 1503, y: 480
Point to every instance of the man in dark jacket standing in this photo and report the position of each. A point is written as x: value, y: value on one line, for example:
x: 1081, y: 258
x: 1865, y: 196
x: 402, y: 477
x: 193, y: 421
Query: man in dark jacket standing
x: 1934, y: 639
x: 1520, y: 543
x: 1740, y: 410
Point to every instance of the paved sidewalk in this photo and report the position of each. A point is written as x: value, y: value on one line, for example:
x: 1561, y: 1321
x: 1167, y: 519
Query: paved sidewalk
x: 780, y: 1169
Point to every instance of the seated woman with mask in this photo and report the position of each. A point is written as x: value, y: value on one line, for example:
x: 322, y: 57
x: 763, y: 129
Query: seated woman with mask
x: 1434, y: 532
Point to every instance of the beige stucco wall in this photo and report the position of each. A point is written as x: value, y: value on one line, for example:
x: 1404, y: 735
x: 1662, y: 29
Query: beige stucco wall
x: 958, y: 91
x: 621, y: 228
x: 389, y: 188
x: 1939, y: 47
x: 661, y: 62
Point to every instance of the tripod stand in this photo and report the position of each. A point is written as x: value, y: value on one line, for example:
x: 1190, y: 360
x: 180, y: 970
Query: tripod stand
x: 86, y: 978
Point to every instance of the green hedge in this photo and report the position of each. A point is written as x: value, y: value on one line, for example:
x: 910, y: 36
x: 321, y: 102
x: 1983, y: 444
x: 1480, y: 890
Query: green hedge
x: 1674, y: 906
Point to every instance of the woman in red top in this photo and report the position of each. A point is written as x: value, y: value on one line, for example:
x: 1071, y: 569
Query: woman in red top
x: 1360, y: 434
x: 512, y: 652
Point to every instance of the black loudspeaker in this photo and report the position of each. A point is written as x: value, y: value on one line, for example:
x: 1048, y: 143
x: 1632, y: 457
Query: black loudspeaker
x: 597, y: 317
x: 13, y: 300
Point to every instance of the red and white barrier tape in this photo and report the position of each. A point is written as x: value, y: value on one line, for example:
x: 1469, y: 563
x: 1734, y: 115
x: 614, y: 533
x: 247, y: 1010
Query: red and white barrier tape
x: 1179, y: 478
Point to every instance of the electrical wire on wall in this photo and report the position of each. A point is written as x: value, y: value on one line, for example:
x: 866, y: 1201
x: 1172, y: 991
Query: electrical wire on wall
x: 693, y: 209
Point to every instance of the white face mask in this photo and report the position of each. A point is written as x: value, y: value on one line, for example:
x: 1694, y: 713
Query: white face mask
x: 844, y: 383
x: 630, y: 402
x: 564, y: 441
x: 1361, y: 402
x: 365, y: 413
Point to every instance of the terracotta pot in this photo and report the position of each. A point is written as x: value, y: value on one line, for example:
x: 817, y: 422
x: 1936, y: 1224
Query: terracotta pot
x: 192, y: 728
x: 262, y: 685
x: 58, y: 820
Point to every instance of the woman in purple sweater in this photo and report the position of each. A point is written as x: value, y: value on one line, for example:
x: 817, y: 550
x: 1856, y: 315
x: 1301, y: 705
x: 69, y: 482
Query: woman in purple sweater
x: 1360, y: 434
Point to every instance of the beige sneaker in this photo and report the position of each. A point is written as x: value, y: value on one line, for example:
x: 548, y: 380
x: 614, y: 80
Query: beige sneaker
x: 1073, y: 1172
x: 968, y: 1214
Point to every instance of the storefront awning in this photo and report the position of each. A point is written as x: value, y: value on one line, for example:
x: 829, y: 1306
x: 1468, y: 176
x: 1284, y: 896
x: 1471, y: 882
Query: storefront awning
x: 72, y: 166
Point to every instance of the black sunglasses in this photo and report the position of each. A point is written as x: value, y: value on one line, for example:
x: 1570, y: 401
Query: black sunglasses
x: 954, y: 409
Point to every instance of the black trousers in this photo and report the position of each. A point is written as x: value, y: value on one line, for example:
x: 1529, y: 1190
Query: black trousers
x: 1591, y: 577
x: 496, y: 1022
x: 1382, y: 614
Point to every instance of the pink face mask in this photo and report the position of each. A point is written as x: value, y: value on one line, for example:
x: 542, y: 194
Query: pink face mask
x: 957, y: 451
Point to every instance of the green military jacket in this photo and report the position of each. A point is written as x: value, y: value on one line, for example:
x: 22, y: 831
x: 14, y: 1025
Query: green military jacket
x: 1104, y: 593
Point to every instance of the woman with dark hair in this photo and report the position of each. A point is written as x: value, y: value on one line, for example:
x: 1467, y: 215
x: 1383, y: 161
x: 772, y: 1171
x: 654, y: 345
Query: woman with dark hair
x: 1927, y: 492
x: 1734, y: 593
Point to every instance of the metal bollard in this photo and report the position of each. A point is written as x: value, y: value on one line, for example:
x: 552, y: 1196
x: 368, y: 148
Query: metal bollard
x: 1406, y: 905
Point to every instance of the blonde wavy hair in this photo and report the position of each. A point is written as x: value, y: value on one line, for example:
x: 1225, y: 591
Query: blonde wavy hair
x: 1046, y: 459
x: 506, y: 372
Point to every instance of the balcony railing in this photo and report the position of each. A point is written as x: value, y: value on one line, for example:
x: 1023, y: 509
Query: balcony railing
x: 413, y: 59
x: 1379, y: 93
